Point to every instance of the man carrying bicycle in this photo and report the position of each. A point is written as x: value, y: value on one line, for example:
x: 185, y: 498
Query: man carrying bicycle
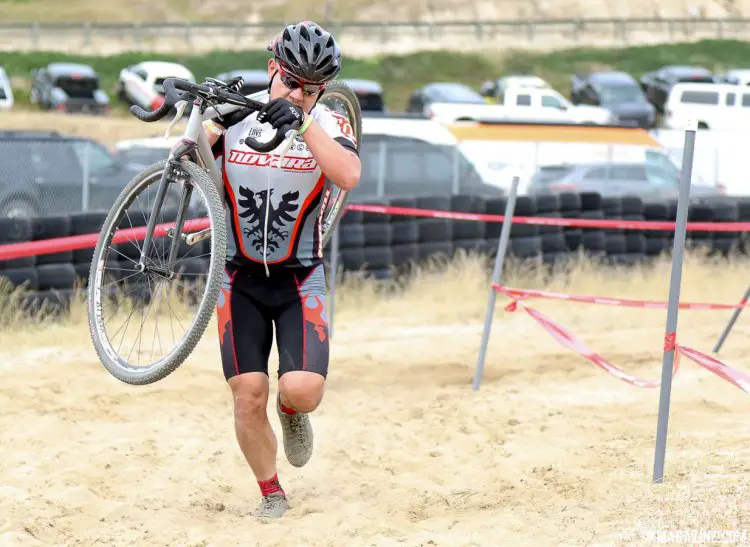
x: 274, y: 272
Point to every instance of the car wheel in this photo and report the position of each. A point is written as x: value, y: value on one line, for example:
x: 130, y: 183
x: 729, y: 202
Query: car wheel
x: 123, y: 96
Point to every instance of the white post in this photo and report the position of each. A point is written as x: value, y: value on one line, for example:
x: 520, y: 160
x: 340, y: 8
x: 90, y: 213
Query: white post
x: 502, y: 247
x: 678, y: 251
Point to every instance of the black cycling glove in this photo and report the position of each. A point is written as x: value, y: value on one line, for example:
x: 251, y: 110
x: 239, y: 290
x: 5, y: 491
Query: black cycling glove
x: 280, y: 112
x: 233, y: 118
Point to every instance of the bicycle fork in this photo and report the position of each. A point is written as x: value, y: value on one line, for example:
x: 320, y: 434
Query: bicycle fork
x: 175, y: 233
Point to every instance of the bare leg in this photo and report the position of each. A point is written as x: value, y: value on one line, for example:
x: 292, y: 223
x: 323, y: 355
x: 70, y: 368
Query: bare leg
x: 256, y: 438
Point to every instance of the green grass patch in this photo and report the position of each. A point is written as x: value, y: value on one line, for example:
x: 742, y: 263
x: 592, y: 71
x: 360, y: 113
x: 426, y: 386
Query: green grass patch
x: 400, y: 75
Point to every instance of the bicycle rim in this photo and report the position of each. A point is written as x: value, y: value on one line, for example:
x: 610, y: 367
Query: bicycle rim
x: 343, y: 101
x: 190, y: 301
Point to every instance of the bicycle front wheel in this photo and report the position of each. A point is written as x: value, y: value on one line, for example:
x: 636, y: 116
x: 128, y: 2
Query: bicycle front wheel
x: 169, y: 297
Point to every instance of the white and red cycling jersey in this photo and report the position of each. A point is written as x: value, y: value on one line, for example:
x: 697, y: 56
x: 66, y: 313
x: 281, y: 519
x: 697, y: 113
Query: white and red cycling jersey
x: 274, y: 206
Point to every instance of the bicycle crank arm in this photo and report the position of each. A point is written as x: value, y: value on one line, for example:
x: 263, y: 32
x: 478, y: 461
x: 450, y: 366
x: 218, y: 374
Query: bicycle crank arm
x: 194, y: 238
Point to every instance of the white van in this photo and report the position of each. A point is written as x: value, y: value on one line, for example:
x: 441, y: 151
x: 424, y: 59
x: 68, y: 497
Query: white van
x: 6, y: 92
x: 714, y: 106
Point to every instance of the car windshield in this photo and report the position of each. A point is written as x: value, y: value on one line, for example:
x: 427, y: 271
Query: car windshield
x: 456, y: 93
x: 622, y: 94
x: 77, y: 86
x: 548, y: 174
x: 661, y: 160
x: 370, y: 101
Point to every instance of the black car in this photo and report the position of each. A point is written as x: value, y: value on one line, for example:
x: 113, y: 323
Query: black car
x: 68, y: 87
x: 43, y: 172
x: 617, y: 91
x: 369, y: 93
x: 657, y: 84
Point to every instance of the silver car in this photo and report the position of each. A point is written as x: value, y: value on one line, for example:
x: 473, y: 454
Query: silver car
x: 648, y: 180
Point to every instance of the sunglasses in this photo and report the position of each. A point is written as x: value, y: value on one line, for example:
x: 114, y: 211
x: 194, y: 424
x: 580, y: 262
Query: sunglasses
x: 293, y: 83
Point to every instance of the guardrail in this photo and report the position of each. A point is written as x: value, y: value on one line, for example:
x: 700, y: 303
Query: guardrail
x: 362, y: 37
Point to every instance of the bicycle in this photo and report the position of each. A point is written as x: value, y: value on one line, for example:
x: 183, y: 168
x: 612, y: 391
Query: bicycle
x: 189, y: 171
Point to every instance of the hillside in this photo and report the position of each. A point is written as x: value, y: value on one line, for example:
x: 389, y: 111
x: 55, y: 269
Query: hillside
x: 400, y: 75
x: 371, y: 10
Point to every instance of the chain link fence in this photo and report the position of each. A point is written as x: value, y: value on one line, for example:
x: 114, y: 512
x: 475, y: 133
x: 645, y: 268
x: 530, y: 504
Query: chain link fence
x: 52, y: 175
x: 366, y: 38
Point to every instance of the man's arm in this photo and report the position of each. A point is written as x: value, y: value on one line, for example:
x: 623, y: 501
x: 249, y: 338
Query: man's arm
x: 340, y: 165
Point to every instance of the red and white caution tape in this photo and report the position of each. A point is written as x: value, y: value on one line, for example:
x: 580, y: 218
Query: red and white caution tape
x: 568, y: 340
x: 566, y: 222
x: 56, y: 245
x: 522, y: 294
x: 72, y: 243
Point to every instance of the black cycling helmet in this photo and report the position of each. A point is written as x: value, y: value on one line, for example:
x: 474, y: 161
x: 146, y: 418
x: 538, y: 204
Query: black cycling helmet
x: 307, y: 51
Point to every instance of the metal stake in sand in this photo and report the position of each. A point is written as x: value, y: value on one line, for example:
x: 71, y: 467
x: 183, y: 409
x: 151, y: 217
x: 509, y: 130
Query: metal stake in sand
x: 333, y: 277
x: 733, y: 320
x: 678, y: 252
x: 502, y: 247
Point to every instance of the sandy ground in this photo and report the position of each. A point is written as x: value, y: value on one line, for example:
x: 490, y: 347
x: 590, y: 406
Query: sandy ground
x: 550, y: 451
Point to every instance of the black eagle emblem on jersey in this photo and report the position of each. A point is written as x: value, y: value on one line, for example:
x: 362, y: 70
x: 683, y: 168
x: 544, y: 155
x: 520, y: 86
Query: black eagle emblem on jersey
x: 254, y: 207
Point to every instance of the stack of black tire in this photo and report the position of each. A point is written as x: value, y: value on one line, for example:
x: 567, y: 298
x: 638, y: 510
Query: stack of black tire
x: 387, y: 244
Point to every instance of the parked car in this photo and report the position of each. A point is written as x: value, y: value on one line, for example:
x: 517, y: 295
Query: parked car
x: 254, y: 80
x: 448, y: 102
x: 140, y: 153
x: 736, y: 76
x: 410, y: 156
x: 68, y: 87
x: 44, y: 172
x: 369, y: 93
x: 6, y: 91
x: 646, y: 179
x: 143, y: 83
x: 657, y: 84
x: 618, y: 92
x: 547, y: 105
x: 494, y: 89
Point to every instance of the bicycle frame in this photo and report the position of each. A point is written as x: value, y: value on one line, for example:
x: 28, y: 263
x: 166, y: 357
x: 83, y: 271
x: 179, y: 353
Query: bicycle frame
x: 194, y: 144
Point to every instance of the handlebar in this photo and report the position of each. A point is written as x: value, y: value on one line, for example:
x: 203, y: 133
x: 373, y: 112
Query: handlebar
x: 216, y: 95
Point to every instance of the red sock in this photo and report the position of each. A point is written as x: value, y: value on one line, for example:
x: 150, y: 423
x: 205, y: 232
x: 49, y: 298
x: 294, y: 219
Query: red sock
x: 270, y: 486
x: 286, y: 409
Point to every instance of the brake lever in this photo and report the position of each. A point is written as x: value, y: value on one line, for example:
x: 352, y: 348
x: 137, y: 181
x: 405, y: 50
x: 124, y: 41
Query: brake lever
x: 290, y: 136
x: 180, y: 111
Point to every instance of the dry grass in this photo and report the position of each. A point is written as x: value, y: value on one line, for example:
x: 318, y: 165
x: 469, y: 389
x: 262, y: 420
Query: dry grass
x: 551, y: 451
